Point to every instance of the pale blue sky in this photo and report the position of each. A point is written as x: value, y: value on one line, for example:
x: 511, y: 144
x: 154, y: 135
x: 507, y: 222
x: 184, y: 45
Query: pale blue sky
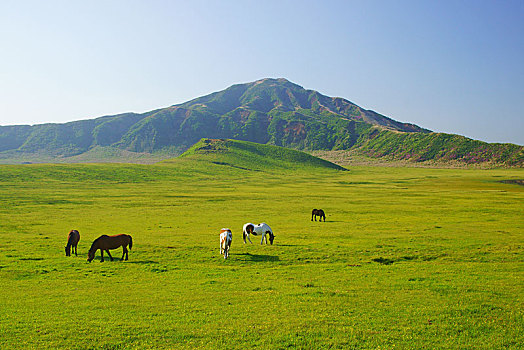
x: 450, y: 66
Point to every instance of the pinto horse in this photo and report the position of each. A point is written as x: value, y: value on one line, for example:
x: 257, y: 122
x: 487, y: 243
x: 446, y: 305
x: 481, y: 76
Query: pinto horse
x: 106, y: 242
x: 318, y: 212
x: 253, y: 229
x: 226, y: 236
x: 72, y: 241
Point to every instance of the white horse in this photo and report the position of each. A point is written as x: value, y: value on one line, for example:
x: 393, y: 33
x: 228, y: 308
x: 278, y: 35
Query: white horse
x: 255, y: 230
x: 225, y: 241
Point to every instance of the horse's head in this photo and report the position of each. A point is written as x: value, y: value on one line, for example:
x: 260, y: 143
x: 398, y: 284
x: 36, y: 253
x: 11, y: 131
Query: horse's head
x: 68, y: 250
x: 90, y: 255
x: 271, y: 237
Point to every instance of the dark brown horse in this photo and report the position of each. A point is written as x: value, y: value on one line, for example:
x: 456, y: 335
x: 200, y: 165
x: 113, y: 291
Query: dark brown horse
x: 106, y: 242
x: 318, y: 212
x: 72, y: 241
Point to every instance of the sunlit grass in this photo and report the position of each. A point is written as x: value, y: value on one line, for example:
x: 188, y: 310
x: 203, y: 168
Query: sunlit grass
x: 408, y: 258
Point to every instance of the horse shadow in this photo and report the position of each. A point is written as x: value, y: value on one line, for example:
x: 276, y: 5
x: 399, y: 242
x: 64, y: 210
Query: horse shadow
x: 256, y: 257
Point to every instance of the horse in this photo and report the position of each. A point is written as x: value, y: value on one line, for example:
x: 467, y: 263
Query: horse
x: 106, y: 242
x: 226, y: 236
x: 318, y: 212
x: 262, y: 229
x: 72, y: 241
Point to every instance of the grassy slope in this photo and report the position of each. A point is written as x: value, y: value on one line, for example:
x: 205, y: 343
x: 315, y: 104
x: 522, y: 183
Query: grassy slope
x: 253, y: 156
x: 437, y: 147
x: 409, y: 258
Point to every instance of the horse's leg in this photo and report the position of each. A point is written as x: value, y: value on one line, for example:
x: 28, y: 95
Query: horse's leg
x: 108, y: 253
x: 76, y: 250
x: 101, y: 255
x: 124, y: 252
x: 249, y: 239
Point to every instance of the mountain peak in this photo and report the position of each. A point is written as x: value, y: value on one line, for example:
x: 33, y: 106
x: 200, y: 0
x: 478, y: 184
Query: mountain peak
x: 268, y: 82
x: 279, y: 81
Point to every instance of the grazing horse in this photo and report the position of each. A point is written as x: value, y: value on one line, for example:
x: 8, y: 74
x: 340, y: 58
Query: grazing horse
x: 72, y: 241
x: 318, y: 212
x: 226, y: 236
x: 262, y: 229
x: 106, y: 242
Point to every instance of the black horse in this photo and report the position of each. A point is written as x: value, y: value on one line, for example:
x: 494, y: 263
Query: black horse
x: 318, y: 212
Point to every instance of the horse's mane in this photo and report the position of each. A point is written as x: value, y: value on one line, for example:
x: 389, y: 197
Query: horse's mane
x: 96, y: 241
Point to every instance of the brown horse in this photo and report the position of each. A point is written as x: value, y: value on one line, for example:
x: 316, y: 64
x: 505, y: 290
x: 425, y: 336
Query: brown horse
x: 106, y: 242
x: 72, y: 241
x: 318, y: 212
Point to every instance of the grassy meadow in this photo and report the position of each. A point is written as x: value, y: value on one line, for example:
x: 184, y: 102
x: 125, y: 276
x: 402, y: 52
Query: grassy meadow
x: 408, y: 258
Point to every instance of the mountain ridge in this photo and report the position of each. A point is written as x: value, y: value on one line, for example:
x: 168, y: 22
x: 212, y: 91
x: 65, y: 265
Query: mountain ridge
x: 267, y: 111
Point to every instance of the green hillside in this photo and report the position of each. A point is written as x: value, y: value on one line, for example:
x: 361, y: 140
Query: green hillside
x: 252, y: 156
x: 419, y: 147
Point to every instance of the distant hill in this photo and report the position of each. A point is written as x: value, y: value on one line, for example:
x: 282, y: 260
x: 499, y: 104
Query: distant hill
x: 267, y: 111
x: 252, y: 156
x: 437, y: 147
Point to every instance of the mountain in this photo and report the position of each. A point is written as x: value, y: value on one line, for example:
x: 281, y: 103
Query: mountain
x: 267, y: 111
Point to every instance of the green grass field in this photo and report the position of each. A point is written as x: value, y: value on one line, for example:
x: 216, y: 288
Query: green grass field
x: 408, y: 258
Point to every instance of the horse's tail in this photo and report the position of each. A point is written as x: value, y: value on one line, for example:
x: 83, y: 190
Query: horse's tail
x: 130, y: 242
